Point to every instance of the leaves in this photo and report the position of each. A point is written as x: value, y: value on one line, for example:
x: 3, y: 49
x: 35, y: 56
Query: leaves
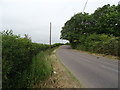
x: 97, y: 32
x: 104, y: 20
x: 17, y: 55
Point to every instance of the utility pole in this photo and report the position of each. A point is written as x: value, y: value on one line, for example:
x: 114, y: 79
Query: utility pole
x: 50, y: 34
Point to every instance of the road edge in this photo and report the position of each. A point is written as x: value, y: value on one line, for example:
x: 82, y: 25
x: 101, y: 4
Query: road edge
x: 67, y: 70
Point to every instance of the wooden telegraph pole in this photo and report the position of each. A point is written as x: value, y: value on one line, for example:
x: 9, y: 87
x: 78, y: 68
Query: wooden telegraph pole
x: 50, y: 34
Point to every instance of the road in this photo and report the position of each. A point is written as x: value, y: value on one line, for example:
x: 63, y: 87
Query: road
x: 92, y: 71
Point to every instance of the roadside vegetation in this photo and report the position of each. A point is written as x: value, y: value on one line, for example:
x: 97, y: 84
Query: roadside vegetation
x: 24, y: 62
x: 98, y: 32
x: 61, y: 77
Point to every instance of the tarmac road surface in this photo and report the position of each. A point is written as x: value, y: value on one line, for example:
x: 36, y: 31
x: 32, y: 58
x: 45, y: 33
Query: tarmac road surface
x: 91, y: 70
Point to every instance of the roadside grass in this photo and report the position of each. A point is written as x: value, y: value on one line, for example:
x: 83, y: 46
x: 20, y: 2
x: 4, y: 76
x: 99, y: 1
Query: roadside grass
x: 61, y: 76
x: 49, y: 72
x: 104, y: 55
x: 23, y: 61
x: 40, y: 69
x: 99, y: 54
x: 41, y: 66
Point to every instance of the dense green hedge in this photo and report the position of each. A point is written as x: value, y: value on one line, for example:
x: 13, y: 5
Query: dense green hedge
x: 97, y: 32
x: 99, y: 43
x: 17, y: 55
x: 57, y: 44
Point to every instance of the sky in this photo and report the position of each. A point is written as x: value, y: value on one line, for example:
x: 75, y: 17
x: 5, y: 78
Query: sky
x: 33, y: 17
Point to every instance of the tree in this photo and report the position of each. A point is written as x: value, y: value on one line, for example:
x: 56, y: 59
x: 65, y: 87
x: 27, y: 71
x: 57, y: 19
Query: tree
x: 105, y: 20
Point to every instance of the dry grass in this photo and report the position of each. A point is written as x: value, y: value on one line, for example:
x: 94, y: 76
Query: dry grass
x: 98, y: 54
x: 61, y: 78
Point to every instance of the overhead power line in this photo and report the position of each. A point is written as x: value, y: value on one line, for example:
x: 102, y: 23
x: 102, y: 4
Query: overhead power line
x: 85, y: 6
x: 119, y: 3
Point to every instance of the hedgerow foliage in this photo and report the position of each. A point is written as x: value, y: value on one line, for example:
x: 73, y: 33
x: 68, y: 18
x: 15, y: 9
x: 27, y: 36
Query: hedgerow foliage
x: 57, y: 44
x: 99, y: 44
x: 98, y: 32
x: 17, y: 55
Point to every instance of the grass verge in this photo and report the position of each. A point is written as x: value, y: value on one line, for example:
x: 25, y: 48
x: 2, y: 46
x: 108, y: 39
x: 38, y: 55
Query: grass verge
x: 39, y: 70
x: 98, y: 54
x: 61, y: 76
x: 41, y: 66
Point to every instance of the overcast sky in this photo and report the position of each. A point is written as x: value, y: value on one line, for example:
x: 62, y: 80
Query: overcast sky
x: 32, y: 17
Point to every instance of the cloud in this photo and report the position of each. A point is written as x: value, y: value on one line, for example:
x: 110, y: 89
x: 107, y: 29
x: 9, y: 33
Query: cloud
x: 33, y: 16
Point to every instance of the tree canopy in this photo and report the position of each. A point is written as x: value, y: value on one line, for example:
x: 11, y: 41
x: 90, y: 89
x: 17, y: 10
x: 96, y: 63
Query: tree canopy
x: 105, y: 20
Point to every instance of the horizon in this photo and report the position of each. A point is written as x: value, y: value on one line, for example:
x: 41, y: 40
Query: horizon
x: 34, y: 16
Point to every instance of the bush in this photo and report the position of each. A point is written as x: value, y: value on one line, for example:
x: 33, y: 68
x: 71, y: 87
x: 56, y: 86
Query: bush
x: 99, y: 43
x: 57, y: 44
x: 39, y: 70
x: 17, y: 58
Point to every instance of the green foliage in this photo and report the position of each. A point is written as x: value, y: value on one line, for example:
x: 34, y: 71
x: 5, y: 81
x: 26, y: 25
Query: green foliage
x: 39, y: 70
x: 97, y: 32
x: 41, y: 61
x: 76, y: 26
x: 100, y: 44
x: 107, y: 20
x: 17, y: 56
x: 57, y: 44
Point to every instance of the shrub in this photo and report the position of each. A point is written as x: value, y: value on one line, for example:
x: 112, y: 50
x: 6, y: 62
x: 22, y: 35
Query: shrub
x: 99, y: 43
x: 57, y: 44
x: 17, y: 58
